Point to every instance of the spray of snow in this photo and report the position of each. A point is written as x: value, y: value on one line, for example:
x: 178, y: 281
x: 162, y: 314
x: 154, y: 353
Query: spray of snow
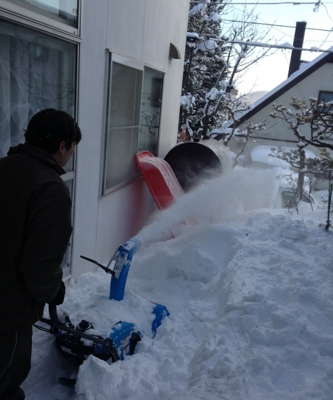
x: 214, y: 202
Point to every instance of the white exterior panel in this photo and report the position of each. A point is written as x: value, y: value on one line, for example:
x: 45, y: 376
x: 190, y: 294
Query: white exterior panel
x: 277, y: 130
x: 141, y: 31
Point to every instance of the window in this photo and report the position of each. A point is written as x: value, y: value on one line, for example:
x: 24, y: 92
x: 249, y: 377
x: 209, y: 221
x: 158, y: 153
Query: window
x: 37, y: 71
x: 64, y: 11
x: 326, y: 97
x: 150, y: 110
x: 123, y: 129
x: 289, y: 199
x: 133, y: 118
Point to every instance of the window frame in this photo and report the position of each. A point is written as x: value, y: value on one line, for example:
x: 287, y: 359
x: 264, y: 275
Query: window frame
x: 112, y: 57
x: 115, y: 58
x: 66, y: 264
x: 69, y: 176
x: 35, y: 20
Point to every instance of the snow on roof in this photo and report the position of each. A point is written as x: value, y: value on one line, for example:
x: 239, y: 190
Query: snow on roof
x: 305, y: 69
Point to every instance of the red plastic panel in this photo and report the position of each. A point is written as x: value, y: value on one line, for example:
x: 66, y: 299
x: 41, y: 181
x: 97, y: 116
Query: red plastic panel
x: 160, y: 179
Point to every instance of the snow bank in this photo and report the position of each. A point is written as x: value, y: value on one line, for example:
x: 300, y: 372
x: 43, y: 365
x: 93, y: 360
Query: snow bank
x: 251, y: 306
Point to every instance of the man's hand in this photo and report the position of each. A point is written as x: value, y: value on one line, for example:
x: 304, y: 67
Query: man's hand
x: 59, y: 299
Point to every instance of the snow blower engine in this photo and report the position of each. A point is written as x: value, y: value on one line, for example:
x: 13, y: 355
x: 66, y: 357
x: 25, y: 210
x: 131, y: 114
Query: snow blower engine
x: 83, y: 340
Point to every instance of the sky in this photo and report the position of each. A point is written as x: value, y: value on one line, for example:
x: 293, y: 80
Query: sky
x: 249, y: 291
x: 270, y: 72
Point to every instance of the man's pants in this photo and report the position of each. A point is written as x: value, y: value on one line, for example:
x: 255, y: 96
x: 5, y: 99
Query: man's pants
x: 15, y: 362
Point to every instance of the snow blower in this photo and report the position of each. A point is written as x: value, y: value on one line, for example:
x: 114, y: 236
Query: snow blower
x: 83, y: 340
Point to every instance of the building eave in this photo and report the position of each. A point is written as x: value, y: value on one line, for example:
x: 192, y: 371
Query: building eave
x: 292, y: 81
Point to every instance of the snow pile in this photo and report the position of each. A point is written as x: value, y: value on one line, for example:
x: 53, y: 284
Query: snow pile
x: 251, y: 303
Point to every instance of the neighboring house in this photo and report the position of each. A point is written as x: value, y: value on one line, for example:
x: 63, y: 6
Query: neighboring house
x: 313, y: 79
x: 116, y: 66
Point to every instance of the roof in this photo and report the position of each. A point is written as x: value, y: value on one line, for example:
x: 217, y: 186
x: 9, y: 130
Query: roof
x: 292, y: 80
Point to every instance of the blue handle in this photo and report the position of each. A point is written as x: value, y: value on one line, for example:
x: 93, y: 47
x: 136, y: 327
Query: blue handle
x: 122, y: 265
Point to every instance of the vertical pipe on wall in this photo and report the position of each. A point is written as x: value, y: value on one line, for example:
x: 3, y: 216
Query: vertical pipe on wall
x: 295, y: 59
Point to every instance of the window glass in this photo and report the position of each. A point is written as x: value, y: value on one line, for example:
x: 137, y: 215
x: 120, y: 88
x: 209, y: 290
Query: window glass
x: 134, y: 113
x: 36, y: 72
x: 289, y: 199
x: 123, y: 124
x: 125, y: 89
x: 326, y: 96
x: 64, y: 11
x: 150, y: 110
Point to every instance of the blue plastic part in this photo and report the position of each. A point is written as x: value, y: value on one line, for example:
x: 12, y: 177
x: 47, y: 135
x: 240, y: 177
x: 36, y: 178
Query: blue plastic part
x: 121, y: 334
x: 160, y: 312
x: 121, y: 268
x: 99, y: 349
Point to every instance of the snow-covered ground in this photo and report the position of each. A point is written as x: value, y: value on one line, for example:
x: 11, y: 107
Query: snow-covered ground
x: 250, y: 295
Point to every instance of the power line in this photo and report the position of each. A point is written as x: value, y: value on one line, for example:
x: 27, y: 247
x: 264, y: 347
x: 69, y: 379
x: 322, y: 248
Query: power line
x: 294, y: 3
x: 308, y: 41
x: 313, y: 49
x: 276, y: 46
x: 286, y: 47
x: 276, y: 25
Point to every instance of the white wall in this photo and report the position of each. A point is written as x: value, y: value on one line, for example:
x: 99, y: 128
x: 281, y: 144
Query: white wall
x: 141, y: 30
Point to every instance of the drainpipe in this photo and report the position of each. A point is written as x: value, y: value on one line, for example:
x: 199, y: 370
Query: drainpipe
x: 295, y: 60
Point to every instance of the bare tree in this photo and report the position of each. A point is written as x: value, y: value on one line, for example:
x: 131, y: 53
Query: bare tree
x: 213, y: 64
x: 245, y: 29
x: 312, y: 124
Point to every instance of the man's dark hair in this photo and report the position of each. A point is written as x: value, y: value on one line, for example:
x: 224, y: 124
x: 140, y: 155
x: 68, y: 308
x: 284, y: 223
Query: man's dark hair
x: 49, y: 127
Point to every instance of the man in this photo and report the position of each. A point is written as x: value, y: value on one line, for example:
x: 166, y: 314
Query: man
x: 35, y: 227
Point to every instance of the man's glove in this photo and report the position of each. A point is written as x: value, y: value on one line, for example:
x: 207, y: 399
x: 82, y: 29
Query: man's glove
x: 59, y: 299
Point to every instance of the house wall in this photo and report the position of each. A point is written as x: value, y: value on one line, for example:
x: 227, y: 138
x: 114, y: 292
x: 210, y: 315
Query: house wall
x: 139, y: 30
x: 321, y: 79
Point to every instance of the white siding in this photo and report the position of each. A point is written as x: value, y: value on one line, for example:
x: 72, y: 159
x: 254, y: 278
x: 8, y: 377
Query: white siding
x: 140, y: 30
x: 321, y: 79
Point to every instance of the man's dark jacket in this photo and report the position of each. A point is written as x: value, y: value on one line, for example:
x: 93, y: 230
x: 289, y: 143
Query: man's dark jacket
x: 35, y: 227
